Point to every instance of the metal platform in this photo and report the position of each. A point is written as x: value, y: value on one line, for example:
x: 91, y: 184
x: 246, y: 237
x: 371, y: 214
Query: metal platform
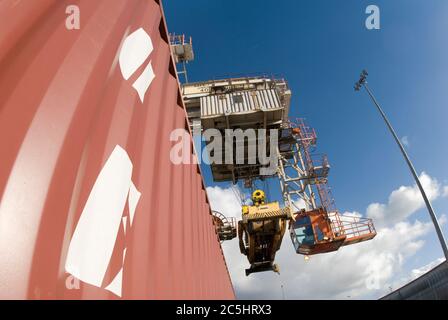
x: 259, y: 102
x: 250, y: 102
x: 317, y: 231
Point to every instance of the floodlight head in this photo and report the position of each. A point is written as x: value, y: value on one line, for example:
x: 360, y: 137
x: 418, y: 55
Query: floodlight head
x: 362, y: 80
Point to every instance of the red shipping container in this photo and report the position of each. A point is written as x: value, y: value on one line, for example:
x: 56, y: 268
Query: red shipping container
x: 91, y: 205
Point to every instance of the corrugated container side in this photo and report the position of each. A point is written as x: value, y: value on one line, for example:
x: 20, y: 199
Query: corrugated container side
x: 70, y: 121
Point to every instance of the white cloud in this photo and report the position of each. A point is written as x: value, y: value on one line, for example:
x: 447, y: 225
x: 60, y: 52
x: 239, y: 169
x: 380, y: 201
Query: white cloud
x: 225, y: 201
x: 445, y: 191
x: 405, y: 141
x: 403, y: 202
x: 365, y: 270
x: 352, y: 214
x: 300, y: 204
x: 442, y: 219
x: 422, y: 270
x: 414, y: 274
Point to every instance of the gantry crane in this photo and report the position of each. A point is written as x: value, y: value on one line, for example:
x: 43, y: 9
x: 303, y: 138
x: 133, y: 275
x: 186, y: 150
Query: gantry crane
x: 263, y: 102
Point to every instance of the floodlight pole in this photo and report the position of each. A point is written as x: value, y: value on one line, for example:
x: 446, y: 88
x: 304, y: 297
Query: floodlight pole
x: 362, y: 82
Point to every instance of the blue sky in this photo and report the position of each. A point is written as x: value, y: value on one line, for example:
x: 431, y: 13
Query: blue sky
x: 320, y: 47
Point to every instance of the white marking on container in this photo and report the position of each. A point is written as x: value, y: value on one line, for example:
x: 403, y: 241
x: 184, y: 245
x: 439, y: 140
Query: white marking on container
x: 95, y: 235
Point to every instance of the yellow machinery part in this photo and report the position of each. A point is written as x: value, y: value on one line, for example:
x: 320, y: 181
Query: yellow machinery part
x: 260, y: 233
x: 258, y: 197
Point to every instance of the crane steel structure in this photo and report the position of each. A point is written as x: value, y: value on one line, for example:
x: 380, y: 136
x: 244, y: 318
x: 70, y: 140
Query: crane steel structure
x: 261, y: 103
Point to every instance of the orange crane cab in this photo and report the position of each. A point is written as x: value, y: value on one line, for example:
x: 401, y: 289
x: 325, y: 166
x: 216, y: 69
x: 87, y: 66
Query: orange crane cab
x: 316, y: 231
x: 311, y: 233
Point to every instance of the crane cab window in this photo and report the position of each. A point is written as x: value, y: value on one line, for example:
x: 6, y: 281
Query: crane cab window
x: 319, y: 234
x: 303, y: 232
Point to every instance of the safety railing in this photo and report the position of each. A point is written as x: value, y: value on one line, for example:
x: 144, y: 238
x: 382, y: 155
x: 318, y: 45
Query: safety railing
x: 326, y: 197
x: 180, y: 40
x: 317, y: 166
x: 353, y: 227
x: 306, y: 136
x: 249, y: 75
